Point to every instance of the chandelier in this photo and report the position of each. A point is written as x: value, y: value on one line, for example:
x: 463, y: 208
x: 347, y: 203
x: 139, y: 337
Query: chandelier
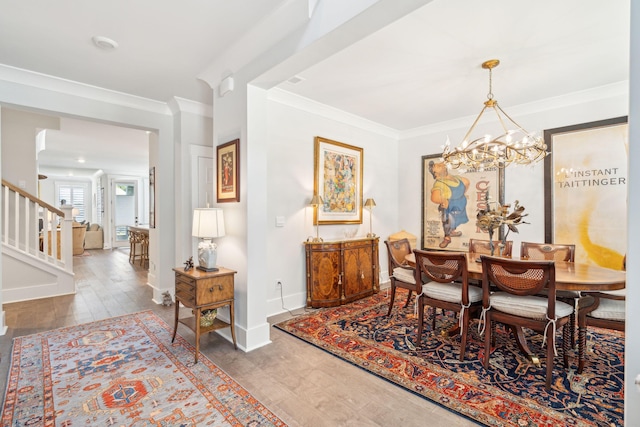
x: 514, y: 145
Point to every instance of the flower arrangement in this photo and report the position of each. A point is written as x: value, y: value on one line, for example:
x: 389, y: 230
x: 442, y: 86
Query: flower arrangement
x: 490, y: 220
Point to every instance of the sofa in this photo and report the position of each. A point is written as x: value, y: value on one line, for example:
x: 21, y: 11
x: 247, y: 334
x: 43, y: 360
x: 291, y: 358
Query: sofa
x: 94, y: 237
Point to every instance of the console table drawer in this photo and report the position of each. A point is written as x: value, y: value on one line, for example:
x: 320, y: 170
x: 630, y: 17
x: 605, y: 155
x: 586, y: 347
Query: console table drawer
x: 214, y: 290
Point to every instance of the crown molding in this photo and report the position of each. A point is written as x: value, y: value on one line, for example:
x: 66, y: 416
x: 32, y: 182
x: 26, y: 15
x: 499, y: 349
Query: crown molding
x: 177, y: 104
x: 305, y: 104
x: 561, y: 101
x: 56, y: 84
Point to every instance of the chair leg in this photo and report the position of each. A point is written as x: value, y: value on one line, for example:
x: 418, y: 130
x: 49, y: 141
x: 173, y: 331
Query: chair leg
x: 433, y: 319
x: 463, y: 336
x: 406, y: 304
x: 393, y: 297
x: 487, y: 341
x: 572, y: 323
x: 420, y: 321
x: 566, y: 339
x: 549, y: 360
x: 582, y: 343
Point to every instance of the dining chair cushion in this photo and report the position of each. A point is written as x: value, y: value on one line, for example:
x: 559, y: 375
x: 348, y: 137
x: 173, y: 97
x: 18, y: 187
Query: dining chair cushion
x: 610, y: 309
x: 529, y: 306
x: 451, y: 292
x: 404, y: 274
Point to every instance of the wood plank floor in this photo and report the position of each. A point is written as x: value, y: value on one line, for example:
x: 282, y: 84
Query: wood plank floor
x: 303, y: 385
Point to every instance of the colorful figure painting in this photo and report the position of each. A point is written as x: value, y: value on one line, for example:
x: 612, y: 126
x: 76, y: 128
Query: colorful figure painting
x: 338, y: 180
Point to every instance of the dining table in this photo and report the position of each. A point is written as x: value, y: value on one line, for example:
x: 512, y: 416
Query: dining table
x: 570, y: 276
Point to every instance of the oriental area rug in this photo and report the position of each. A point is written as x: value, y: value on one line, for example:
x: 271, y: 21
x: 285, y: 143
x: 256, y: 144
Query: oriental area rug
x: 122, y: 371
x: 510, y: 393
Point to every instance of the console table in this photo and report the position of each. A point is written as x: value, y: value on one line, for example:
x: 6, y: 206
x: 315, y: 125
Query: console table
x: 200, y: 290
x: 341, y: 271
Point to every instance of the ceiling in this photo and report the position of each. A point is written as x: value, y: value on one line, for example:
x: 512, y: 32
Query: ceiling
x: 420, y: 70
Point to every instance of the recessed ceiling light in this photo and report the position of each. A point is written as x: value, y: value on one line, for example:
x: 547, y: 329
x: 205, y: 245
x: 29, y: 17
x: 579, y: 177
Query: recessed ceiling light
x: 80, y: 160
x: 104, y: 43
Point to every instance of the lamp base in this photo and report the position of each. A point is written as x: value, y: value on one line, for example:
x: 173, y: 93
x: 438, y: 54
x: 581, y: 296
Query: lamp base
x: 207, y: 269
x: 371, y: 235
x: 316, y: 240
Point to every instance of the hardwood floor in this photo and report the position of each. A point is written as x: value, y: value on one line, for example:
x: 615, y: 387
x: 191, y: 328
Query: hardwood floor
x: 303, y: 385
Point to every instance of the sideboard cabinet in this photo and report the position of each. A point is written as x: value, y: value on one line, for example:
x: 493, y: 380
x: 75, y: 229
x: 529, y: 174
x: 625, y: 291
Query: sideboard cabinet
x: 342, y: 271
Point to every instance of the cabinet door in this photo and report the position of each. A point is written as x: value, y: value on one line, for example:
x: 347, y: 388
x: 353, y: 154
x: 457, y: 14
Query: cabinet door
x: 358, y: 270
x: 323, y: 269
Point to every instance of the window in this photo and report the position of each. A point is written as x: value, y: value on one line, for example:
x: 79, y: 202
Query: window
x: 75, y: 195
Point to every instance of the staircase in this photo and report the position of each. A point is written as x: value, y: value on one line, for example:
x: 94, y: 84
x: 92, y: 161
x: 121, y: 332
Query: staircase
x: 37, y: 259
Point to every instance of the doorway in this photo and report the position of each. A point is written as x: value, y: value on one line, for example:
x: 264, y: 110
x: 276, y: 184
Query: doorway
x: 125, y: 210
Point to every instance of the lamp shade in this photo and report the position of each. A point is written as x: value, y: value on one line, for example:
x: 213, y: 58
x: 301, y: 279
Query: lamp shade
x: 316, y: 200
x: 369, y: 203
x: 208, y: 223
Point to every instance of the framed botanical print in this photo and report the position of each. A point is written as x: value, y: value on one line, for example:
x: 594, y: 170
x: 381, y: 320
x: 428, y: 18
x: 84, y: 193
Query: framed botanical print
x: 586, y: 190
x: 228, y: 172
x: 338, y: 181
x: 451, y: 200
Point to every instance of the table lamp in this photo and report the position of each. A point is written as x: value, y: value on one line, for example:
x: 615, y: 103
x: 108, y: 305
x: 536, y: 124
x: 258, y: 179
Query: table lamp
x: 208, y: 223
x: 370, y: 203
x: 316, y: 201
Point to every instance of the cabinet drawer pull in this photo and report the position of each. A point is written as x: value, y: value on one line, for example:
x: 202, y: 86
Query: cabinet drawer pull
x: 220, y: 287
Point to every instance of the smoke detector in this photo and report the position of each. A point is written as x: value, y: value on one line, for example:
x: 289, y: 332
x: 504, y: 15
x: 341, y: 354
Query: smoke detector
x: 104, y: 43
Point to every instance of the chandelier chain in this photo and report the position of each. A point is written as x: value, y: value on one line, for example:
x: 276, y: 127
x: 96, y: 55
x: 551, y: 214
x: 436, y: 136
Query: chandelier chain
x: 490, y: 94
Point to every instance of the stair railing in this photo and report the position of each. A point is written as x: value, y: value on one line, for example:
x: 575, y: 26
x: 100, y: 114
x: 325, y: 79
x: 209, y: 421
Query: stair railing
x: 35, y: 228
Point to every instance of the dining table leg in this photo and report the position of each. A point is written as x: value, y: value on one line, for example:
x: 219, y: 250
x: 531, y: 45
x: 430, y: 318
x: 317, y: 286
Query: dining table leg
x: 521, y: 340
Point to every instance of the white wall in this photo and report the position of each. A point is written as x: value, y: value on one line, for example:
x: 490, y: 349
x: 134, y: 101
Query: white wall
x: 292, y: 126
x: 18, y: 133
x: 523, y: 183
x: 191, y: 129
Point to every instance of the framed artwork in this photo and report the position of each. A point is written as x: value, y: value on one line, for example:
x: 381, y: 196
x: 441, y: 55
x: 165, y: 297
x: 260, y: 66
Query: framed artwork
x: 152, y: 197
x: 338, y: 180
x: 228, y: 172
x: 451, y: 200
x: 585, y: 183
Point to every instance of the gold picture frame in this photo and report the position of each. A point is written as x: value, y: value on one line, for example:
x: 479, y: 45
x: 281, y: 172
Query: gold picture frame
x: 338, y: 180
x: 228, y: 172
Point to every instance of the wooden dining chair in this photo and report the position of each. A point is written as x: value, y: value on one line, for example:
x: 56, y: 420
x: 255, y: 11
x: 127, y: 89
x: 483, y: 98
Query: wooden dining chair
x: 483, y: 247
x: 446, y: 286
x: 547, y: 251
x: 600, y: 310
x: 402, y: 275
x: 517, y: 303
x: 555, y: 252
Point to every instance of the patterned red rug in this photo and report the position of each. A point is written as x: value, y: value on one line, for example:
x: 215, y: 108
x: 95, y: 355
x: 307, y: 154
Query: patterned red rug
x: 122, y: 371
x: 510, y: 393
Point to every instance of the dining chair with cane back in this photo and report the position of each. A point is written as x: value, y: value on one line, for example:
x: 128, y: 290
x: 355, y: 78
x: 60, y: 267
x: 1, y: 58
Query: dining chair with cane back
x: 555, y: 252
x: 401, y: 274
x: 517, y: 303
x: 483, y: 247
x: 445, y: 285
x: 547, y: 251
x: 606, y: 310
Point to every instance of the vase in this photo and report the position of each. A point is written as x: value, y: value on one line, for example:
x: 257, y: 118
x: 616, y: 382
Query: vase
x: 491, y: 245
